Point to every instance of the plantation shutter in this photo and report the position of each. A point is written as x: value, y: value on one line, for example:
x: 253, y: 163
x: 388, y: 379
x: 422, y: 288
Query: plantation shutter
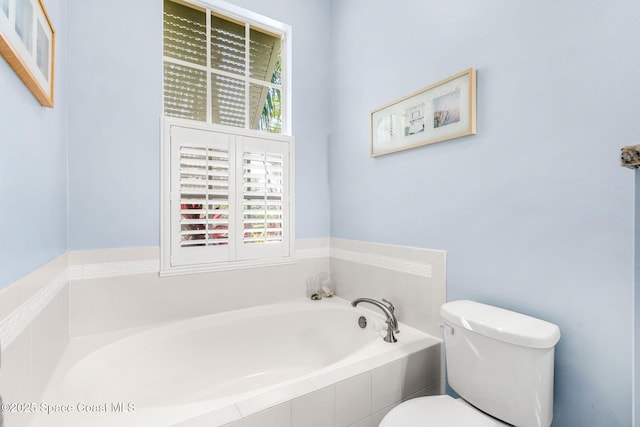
x: 265, y: 199
x: 201, y: 196
x: 230, y: 196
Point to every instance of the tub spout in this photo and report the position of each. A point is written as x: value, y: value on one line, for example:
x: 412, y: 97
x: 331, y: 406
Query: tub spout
x: 392, y: 321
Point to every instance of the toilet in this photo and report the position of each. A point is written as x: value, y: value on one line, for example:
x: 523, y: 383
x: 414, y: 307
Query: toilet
x: 498, y: 361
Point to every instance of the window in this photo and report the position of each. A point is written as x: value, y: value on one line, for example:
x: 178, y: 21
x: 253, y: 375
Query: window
x: 223, y: 69
x: 227, y: 162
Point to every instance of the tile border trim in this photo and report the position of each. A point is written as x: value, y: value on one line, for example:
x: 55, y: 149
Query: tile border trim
x: 22, y: 316
x: 391, y: 263
x: 113, y: 269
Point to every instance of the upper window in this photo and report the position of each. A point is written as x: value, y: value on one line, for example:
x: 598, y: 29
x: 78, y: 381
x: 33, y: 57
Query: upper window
x: 224, y: 69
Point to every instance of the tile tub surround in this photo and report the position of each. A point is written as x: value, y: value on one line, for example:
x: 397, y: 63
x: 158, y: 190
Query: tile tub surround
x: 22, y: 301
x: 105, y: 294
x: 351, y: 390
x: 33, y: 335
x: 86, y: 292
x: 110, y: 289
x: 413, y: 279
x: 41, y: 311
x: 359, y: 395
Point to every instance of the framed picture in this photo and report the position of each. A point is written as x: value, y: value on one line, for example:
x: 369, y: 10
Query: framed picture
x: 439, y: 112
x: 27, y: 42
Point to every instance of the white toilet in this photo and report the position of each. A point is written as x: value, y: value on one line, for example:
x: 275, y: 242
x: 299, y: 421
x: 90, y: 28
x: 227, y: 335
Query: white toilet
x: 499, y: 362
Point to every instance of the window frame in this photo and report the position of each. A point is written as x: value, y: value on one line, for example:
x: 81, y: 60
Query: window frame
x: 220, y: 7
x: 260, y: 22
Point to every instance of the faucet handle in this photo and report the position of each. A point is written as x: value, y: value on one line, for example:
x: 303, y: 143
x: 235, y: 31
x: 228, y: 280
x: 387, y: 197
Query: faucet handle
x: 392, y: 310
x: 391, y: 307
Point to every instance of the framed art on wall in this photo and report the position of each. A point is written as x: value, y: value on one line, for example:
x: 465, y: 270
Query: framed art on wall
x: 27, y: 42
x: 442, y: 111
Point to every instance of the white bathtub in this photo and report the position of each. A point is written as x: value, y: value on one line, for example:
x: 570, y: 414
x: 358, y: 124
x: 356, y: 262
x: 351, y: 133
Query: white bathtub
x: 223, y: 366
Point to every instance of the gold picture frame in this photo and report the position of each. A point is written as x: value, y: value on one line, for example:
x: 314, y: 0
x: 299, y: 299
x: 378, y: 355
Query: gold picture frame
x: 442, y: 111
x: 27, y: 42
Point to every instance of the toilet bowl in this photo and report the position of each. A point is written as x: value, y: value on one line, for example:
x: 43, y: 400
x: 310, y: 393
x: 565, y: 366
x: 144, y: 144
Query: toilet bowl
x: 440, y: 411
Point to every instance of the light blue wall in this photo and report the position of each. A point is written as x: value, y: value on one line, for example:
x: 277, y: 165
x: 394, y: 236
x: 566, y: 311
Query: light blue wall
x: 534, y: 212
x: 33, y: 171
x: 115, y: 64
x: 115, y: 101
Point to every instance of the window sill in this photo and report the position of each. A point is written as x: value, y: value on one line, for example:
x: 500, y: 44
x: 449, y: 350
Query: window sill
x: 224, y: 266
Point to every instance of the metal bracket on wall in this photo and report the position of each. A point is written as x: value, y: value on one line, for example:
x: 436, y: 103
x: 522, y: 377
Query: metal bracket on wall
x: 630, y: 157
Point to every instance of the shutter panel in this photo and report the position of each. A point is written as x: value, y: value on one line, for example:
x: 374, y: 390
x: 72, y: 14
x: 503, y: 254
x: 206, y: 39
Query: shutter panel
x: 265, y: 199
x: 204, y: 195
x: 201, y: 197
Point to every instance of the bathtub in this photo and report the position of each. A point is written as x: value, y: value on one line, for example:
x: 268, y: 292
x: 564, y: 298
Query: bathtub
x: 216, y: 369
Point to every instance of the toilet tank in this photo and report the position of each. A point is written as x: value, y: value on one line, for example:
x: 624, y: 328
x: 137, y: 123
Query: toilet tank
x: 501, y: 361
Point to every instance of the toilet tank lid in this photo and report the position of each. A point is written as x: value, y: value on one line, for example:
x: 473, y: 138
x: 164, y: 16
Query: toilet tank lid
x: 498, y: 323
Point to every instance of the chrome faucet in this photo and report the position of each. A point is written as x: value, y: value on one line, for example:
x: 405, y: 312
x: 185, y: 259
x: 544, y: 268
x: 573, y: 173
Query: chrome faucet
x: 392, y: 321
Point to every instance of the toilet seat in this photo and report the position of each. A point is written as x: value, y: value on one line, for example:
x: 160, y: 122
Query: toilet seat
x: 437, y: 411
